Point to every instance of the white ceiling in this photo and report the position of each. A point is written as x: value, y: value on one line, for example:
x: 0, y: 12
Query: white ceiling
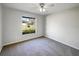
x: 34, y: 7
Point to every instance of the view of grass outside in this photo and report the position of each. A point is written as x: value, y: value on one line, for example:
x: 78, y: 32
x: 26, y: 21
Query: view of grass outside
x: 28, y: 26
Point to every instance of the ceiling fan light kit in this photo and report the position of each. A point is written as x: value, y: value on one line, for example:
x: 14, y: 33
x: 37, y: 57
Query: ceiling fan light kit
x: 42, y: 8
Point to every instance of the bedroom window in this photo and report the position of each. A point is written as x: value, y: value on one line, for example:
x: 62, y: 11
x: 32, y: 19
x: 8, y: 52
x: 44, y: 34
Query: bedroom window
x: 28, y: 25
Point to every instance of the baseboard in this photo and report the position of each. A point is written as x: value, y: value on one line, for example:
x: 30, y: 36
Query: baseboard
x: 19, y: 41
x: 63, y: 43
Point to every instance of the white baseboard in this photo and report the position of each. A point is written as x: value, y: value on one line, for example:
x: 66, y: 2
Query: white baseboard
x: 62, y: 42
x: 19, y: 40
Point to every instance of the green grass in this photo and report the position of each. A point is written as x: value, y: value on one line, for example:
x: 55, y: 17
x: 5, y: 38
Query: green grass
x: 28, y: 31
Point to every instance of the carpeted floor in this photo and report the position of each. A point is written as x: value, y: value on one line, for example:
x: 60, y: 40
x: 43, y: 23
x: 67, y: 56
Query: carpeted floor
x: 39, y: 47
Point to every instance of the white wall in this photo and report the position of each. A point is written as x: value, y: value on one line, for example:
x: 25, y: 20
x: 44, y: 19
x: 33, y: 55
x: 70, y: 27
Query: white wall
x: 64, y: 27
x: 0, y: 28
x: 12, y: 26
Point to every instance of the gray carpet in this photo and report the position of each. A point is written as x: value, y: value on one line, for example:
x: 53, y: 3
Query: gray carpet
x: 39, y: 47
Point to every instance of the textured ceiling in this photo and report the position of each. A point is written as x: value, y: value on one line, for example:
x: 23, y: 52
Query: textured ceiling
x: 34, y: 7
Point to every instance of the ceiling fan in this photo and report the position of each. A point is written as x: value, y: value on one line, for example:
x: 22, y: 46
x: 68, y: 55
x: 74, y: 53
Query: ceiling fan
x: 43, y: 6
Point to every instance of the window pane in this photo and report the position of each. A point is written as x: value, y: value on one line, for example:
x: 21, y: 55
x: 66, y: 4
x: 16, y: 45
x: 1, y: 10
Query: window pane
x: 28, y: 25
